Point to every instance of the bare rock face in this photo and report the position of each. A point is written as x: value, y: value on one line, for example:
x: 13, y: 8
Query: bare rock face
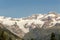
x: 38, y: 26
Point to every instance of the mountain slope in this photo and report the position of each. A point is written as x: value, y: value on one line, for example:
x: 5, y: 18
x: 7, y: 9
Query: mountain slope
x: 36, y: 25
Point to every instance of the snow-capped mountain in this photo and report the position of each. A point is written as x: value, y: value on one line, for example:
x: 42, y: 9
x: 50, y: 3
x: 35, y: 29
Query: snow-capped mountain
x: 21, y: 26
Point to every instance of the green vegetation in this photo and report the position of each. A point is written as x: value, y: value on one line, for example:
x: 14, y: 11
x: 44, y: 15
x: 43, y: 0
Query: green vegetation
x: 53, y: 36
x: 4, y: 35
x: 32, y: 39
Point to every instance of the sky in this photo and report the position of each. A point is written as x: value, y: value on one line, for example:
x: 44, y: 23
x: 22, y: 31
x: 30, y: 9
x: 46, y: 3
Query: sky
x: 24, y: 8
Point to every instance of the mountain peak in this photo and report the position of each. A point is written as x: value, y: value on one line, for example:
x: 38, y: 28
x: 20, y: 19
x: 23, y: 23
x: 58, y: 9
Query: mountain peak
x: 26, y: 24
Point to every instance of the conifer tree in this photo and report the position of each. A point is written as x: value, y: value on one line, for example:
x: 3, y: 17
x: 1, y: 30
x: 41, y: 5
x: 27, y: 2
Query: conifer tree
x: 53, y: 36
x: 32, y: 39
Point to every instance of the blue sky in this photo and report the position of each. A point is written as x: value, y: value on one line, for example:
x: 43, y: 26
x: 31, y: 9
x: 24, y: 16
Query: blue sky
x: 23, y: 8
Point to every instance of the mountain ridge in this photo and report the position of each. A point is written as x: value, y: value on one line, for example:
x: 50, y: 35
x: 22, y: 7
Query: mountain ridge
x: 21, y: 26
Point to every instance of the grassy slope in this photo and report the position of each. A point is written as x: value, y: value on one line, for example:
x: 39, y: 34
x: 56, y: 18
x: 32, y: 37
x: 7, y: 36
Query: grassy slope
x: 6, y: 35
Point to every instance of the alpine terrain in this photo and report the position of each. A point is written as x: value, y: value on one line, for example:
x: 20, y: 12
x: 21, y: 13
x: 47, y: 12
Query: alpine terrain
x: 37, y: 26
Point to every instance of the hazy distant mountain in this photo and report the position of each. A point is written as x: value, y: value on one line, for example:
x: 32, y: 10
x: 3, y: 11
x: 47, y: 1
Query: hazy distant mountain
x: 37, y: 26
